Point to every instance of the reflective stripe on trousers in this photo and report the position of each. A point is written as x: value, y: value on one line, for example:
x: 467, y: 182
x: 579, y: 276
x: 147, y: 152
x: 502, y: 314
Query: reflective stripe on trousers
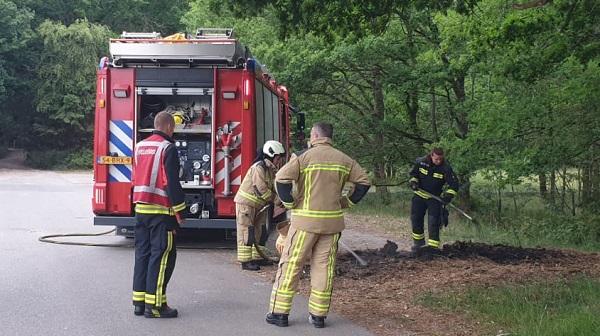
x: 298, y: 246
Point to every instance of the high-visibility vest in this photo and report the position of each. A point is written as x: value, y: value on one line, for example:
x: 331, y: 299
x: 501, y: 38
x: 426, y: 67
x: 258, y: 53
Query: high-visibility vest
x: 150, y: 179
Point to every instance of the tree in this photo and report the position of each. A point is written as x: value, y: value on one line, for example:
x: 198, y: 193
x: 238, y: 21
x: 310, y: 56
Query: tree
x: 65, y: 95
x: 15, y: 37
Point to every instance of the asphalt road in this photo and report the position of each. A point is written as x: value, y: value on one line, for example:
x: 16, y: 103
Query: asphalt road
x: 48, y: 289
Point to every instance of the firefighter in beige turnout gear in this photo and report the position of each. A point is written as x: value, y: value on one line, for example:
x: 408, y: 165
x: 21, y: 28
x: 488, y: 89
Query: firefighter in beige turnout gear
x: 256, y: 191
x: 318, y: 175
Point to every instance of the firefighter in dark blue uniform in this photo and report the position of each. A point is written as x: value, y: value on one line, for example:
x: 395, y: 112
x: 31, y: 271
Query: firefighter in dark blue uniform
x: 430, y: 173
x: 159, y: 207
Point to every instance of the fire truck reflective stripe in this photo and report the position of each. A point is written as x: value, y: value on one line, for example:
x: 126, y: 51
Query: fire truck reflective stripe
x: 162, y: 269
x: 117, y: 146
x: 236, y: 163
x: 121, y: 143
x: 236, y: 178
x: 99, y: 196
x: 125, y: 127
x: 125, y: 170
x: 119, y: 173
x: 152, y: 190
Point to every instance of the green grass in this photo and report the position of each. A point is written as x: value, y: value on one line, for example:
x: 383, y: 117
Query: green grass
x: 543, y: 309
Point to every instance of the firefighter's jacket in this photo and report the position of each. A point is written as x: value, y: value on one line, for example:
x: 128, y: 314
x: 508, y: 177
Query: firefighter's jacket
x: 156, y: 177
x: 257, y: 188
x: 432, y: 178
x: 318, y: 176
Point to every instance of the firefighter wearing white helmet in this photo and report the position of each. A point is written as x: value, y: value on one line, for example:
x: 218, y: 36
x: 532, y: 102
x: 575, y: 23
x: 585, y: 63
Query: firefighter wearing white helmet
x: 256, y: 191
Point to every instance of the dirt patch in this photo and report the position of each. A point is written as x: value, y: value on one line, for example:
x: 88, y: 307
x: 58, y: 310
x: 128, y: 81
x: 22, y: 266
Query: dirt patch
x: 383, y: 295
x: 392, y: 281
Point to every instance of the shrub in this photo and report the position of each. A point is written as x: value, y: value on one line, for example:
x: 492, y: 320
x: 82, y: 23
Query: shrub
x: 60, y: 159
x: 3, y: 151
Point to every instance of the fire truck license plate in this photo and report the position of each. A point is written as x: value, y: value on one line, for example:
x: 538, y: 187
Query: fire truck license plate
x: 114, y: 160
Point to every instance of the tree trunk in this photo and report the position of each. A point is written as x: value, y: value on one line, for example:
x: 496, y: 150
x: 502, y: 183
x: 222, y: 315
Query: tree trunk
x: 412, y: 108
x: 458, y: 86
x: 543, y: 185
x: 379, y: 115
x: 564, y: 190
x: 464, y: 196
x: 499, y: 201
x: 553, y: 187
x: 434, y: 129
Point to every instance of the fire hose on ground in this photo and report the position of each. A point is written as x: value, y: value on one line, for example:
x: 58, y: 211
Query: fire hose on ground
x: 48, y: 239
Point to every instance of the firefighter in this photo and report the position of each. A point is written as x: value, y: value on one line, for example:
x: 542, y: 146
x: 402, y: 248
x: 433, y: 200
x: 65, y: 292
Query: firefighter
x: 159, y: 205
x: 430, y: 173
x: 318, y: 175
x: 256, y: 192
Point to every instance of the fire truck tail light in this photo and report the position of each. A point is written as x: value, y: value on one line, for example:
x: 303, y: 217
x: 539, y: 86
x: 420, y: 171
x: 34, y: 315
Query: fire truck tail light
x: 121, y: 91
x: 246, y: 105
x: 101, y: 103
x: 247, y: 87
x: 228, y: 95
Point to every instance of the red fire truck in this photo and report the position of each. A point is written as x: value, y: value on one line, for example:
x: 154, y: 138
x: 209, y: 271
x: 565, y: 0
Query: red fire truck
x: 225, y: 106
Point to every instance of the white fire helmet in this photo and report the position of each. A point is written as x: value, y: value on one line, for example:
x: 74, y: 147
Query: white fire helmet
x: 272, y: 148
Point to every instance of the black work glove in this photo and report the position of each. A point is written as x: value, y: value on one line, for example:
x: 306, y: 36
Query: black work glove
x: 446, y: 197
x: 414, y: 185
x: 444, y: 216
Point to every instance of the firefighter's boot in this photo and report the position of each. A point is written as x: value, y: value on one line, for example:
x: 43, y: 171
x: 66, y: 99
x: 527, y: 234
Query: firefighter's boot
x: 163, y: 312
x: 417, y: 244
x: 316, y: 321
x: 280, y: 320
x: 250, y: 266
x: 139, y: 310
x: 263, y: 262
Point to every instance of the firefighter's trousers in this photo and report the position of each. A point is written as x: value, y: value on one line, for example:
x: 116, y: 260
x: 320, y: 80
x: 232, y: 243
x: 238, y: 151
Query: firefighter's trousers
x: 249, y: 224
x: 417, y: 213
x: 155, y: 255
x: 299, y: 247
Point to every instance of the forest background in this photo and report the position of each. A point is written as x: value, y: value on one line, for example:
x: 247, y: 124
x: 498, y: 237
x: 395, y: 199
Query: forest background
x: 509, y: 88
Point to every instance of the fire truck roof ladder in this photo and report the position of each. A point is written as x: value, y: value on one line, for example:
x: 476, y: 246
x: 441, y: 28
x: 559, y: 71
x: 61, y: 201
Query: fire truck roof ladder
x: 205, y: 33
x: 130, y: 35
x: 211, y: 47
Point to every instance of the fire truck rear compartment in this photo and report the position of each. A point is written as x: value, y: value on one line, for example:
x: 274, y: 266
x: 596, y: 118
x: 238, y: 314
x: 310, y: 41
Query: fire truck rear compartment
x: 193, y: 136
